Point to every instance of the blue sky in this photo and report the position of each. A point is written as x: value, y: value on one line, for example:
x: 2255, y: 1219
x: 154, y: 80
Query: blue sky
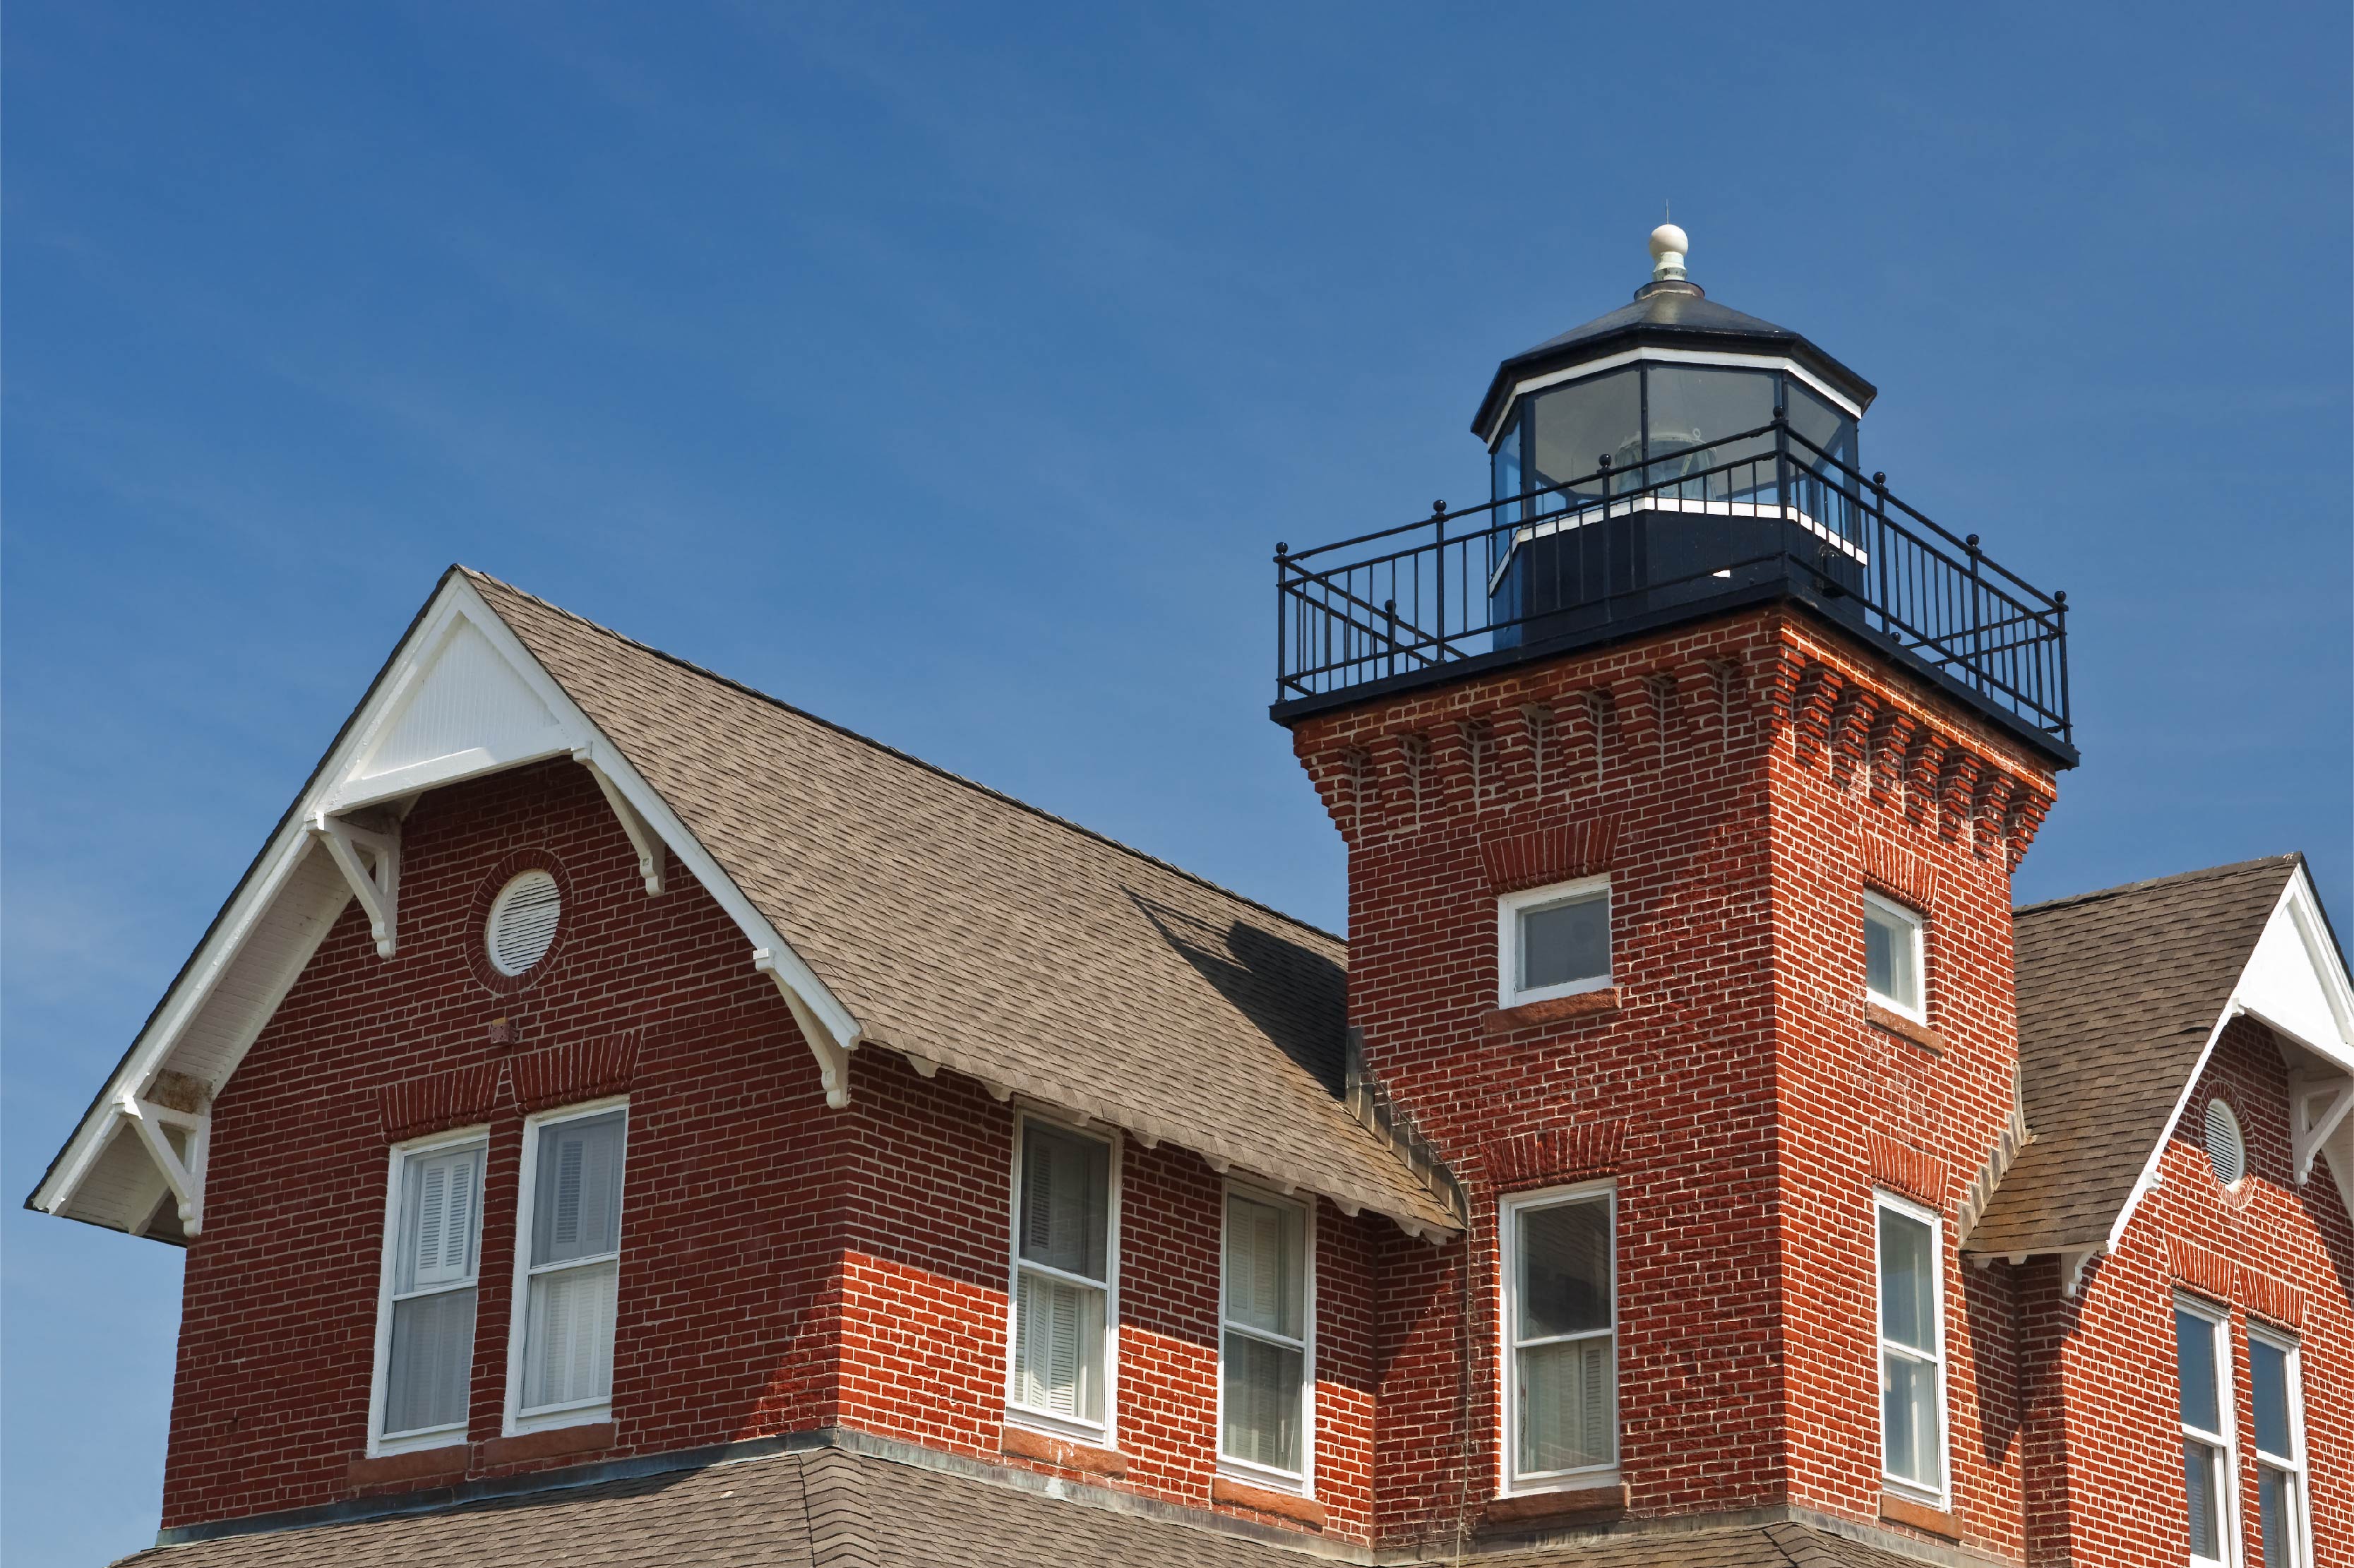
x: 952, y: 372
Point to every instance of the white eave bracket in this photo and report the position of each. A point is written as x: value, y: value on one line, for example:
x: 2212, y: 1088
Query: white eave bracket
x: 651, y: 852
x: 185, y: 1178
x: 2317, y: 1105
x: 377, y: 887
x: 832, y: 1054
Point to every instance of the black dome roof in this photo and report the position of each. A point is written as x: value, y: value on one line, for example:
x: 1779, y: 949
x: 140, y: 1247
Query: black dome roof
x: 1675, y: 315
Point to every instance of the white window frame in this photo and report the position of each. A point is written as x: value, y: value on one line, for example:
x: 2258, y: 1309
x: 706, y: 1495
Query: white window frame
x: 1244, y: 1470
x: 1917, y: 921
x: 1107, y: 1434
x: 455, y: 1433
x: 1510, y: 906
x: 576, y: 1412
x: 2227, y: 1403
x: 2296, y: 1467
x: 1508, y: 1238
x: 1941, y: 1495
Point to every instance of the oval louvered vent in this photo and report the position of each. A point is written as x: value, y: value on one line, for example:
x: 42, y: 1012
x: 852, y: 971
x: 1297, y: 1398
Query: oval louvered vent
x: 2227, y: 1151
x: 522, y: 922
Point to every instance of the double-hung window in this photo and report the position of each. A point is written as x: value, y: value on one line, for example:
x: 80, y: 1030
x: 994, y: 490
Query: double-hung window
x: 567, y: 1269
x: 1560, y: 1310
x: 1066, y: 1241
x: 2202, y: 1360
x: 425, y: 1327
x: 1553, y: 941
x: 1892, y: 958
x: 2280, y: 1449
x: 1912, y: 1351
x: 1265, y: 1373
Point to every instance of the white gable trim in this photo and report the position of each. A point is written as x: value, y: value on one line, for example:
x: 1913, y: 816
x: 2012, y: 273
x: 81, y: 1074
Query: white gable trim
x: 2293, y: 967
x: 412, y: 734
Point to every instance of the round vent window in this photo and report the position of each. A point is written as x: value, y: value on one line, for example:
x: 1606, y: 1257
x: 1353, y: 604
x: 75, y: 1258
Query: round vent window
x: 522, y: 922
x: 2227, y: 1151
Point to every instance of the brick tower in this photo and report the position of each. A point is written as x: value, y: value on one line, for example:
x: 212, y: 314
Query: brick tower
x: 1682, y: 782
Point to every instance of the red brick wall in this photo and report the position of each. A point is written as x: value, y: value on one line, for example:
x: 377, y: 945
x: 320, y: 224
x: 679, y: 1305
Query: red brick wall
x: 725, y: 1289
x: 1734, y: 778
x: 784, y: 1265
x: 924, y: 1333
x: 2275, y: 1251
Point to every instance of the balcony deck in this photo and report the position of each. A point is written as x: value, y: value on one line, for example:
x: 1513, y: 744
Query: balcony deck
x: 1615, y: 554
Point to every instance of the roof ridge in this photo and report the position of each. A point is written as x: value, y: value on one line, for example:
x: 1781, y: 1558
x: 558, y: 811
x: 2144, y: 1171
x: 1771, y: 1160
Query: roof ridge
x: 892, y: 751
x: 2204, y: 872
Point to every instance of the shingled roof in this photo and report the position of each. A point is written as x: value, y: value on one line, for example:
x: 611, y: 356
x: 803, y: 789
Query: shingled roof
x: 965, y: 928
x: 2118, y: 993
x: 832, y: 1507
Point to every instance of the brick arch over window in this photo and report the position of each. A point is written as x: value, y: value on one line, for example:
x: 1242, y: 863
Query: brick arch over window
x: 478, y: 956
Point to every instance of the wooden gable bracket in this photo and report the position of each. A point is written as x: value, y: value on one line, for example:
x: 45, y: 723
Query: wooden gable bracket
x: 377, y: 887
x: 833, y: 1056
x: 185, y: 1178
x: 651, y: 852
x: 2310, y: 1128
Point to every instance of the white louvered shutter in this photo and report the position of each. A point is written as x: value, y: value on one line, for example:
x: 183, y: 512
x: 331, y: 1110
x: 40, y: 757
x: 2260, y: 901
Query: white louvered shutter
x: 440, y: 1221
x: 522, y: 926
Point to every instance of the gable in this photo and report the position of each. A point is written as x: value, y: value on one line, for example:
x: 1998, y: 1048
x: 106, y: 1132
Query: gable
x: 458, y: 698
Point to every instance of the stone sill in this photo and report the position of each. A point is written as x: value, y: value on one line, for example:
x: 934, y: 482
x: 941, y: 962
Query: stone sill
x: 1934, y: 1521
x: 416, y: 1465
x: 554, y: 1442
x: 1896, y: 1024
x: 1024, y: 1444
x: 1574, y: 1503
x: 1260, y: 1499
x: 1584, y: 1004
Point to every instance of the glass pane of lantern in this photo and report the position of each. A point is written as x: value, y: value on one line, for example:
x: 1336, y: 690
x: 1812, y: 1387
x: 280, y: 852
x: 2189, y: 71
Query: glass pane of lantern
x: 1692, y: 410
x: 1575, y: 426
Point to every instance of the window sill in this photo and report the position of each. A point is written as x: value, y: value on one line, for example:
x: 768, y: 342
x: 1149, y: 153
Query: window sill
x: 1896, y: 1024
x: 414, y: 1465
x: 1934, y: 1521
x: 1528, y: 1014
x: 554, y: 1442
x: 1606, y: 1501
x: 1025, y: 1442
x: 1260, y: 1499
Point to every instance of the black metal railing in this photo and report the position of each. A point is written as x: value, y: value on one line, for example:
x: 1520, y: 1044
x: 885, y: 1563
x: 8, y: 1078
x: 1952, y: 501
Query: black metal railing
x: 1763, y: 513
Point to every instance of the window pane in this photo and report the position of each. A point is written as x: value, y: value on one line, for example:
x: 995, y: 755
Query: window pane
x: 1908, y: 1265
x: 1890, y: 968
x: 1568, y: 1412
x: 1564, y: 1269
x: 576, y: 1204
x: 1574, y: 427
x: 1262, y: 1402
x: 2194, y: 1364
x: 568, y: 1338
x: 1691, y: 410
x: 1908, y: 1420
x: 1265, y: 1272
x: 1565, y: 942
x: 1064, y: 1180
x: 438, y: 1217
x: 432, y: 1362
x: 2278, y: 1518
x: 2199, y: 1481
x: 2268, y: 1376
x: 1058, y: 1348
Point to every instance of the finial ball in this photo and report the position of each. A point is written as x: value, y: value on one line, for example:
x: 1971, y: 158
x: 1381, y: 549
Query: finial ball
x: 1667, y: 247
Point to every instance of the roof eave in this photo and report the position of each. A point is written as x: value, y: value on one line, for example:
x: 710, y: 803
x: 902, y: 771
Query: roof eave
x: 1654, y: 334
